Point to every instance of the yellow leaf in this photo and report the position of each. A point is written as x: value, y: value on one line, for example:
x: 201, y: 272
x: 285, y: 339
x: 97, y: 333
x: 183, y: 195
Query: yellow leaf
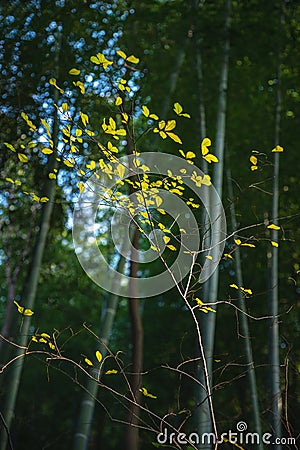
x: 210, y: 158
x: 199, y: 302
x: 88, y: 361
x: 174, y: 137
x: 248, y: 245
x: 65, y: 107
x: 145, y: 110
x: 44, y: 199
x: 166, y: 239
x: 10, y: 180
x: 209, y: 257
x: 238, y: 241
x: 22, y: 310
x: 118, y: 101
x: 111, y: 371
x: 144, y: 214
x: 47, y: 151
x: 277, y: 149
x: 52, y: 176
x: 254, y: 167
x: 273, y: 227
x: 52, y: 346
x: 205, y: 143
x: 227, y: 255
x: 74, y: 72
x: 84, y: 118
x: 91, y: 165
x: 43, y: 341
x: 170, y: 125
x: 120, y: 170
x: 9, y: 146
x: 34, y: 339
x: 253, y: 160
x: 190, y: 155
x: 234, y: 286
x: 158, y: 201
x: 46, y: 335
x: 206, y: 180
x: 68, y: 163
x: 177, y: 108
x: 23, y: 158
x: 132, y: 59
x: 81, y: 187
x: 275, y: 244
x: 145, y: 392
x: 99, y: 356
x: 122, y: 54
x: 171, y: 247
x: 247, y: 291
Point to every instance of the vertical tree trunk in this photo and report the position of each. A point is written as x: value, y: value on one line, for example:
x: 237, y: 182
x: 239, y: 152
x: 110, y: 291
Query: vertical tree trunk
x: 208, y: 325
x: 244, y: 322
x: 31, y: 288
x: 83, y: 429
x: 275, y: 392
x: 132, y: 431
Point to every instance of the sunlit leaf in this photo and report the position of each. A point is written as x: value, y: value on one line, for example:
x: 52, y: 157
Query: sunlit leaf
x: 111, y: 372
x: 47, y: 151
x: 9, y: 146
x: 84, y: 118
x: 205, y: 143
x: 234, y: 286
x: 177, y: 108
x: 277, y: 149
x: 210, y: 158
x: 122, y: 54
x: 190, y: 155
x: 44, y: 199
x: 273, y: 227
x: 81, y: 187
x: 166, y: 239
x: 23, y: 158
x: 52, y: 176
x: 132, y: 59
x: 88, y: 361
x: 275, y: 244
x: 174, y: 137
x: 74, y: 72
x: 253, y: 160
x: 91, y: 165
x: 99, y: 356
x: 171, y: 247
x: 145, y: 392
x: 247, y: 291
x: 170, y: 125
x: 46, y: 335
x: 22, y: 310
x: 238, y: 241
x: 118, y: 101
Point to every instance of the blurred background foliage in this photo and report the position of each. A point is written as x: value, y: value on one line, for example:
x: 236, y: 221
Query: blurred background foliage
x: 165, y: 35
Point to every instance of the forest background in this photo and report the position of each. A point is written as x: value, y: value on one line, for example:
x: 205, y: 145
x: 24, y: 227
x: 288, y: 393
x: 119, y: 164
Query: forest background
x: 234, y: 66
